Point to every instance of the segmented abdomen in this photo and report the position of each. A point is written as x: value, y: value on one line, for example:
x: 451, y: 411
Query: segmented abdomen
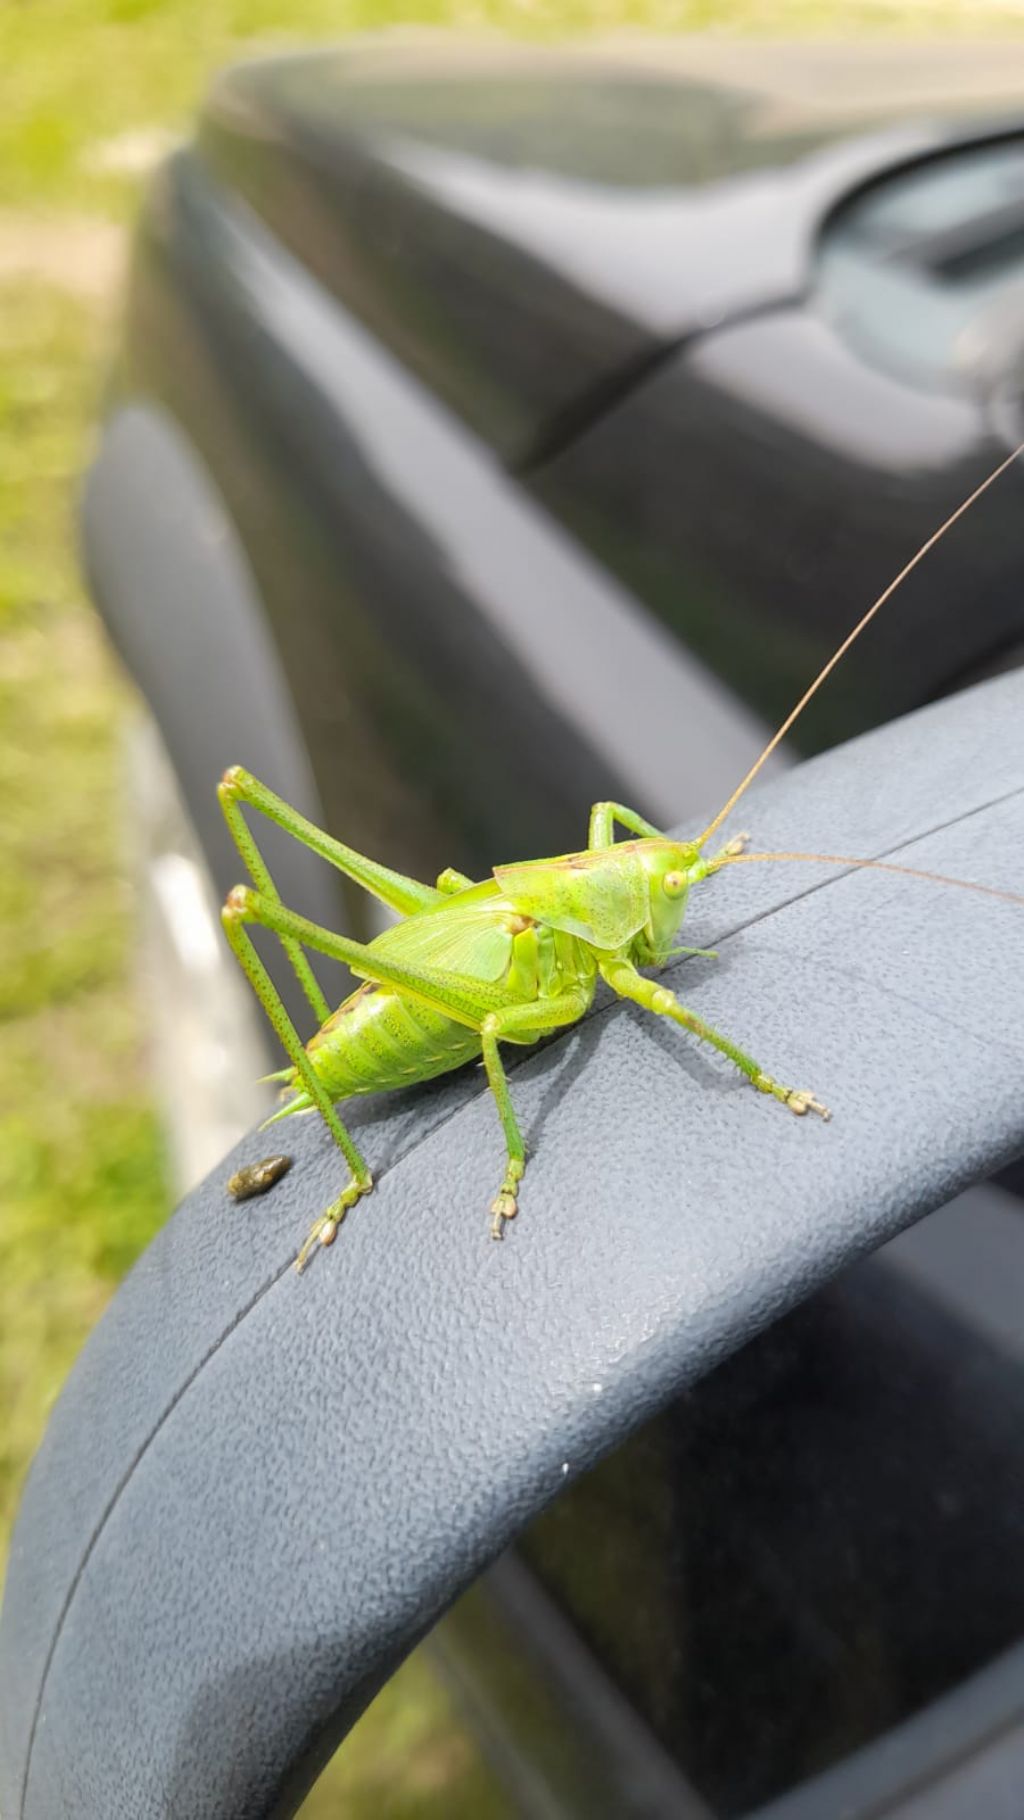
x: 377, y: 1040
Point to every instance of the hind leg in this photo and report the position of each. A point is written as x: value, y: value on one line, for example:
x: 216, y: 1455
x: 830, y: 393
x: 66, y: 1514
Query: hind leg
x: 361, y: 1182
x: 450, y: 993
x: 406, y: 895
x: 457, y: 996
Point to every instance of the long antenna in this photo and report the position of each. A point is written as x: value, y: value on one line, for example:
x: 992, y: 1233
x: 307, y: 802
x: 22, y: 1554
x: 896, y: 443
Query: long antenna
x: 873, y: 865
x: 851, y: 638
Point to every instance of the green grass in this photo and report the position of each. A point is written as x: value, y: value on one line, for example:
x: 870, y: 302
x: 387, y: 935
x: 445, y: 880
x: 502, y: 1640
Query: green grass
x: 82, y: 1181
x: 81, y: 1178
x: 409, y: 1758
x: 149, y: 60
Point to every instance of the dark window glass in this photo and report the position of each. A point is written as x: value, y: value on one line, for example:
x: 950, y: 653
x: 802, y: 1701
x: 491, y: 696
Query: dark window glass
x: 829, y: 1532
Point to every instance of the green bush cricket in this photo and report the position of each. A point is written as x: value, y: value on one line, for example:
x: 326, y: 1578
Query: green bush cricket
x: 471, y: 965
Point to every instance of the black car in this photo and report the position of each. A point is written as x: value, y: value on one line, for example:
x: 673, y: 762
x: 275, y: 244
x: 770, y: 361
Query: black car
x: 493, y: 433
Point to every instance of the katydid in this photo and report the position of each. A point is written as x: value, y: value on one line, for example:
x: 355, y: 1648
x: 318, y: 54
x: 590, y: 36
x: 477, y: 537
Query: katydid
x: 472, y: 965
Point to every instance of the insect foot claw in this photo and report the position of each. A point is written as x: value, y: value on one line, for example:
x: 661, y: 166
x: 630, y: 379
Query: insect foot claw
x: 800, y: 1101
x: 505, y: 1206
x: 324, y: 1231
x: 797, y: 1099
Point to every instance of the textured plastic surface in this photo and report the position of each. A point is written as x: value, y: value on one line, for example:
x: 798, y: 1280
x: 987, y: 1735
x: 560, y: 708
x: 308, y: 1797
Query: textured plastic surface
x: 258, y: 1490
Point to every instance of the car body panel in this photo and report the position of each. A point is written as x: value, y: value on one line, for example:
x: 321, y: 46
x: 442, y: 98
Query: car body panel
x: 526, y: 231
x: 538, y: 462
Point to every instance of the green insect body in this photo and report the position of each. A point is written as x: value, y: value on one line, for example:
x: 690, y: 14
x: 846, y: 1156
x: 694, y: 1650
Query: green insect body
x: 382, y: 1038
x: 513, y: 958
x: 471, y: 966
x: 527, y: 939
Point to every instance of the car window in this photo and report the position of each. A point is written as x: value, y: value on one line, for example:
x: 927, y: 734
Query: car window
x: 827, y: 1534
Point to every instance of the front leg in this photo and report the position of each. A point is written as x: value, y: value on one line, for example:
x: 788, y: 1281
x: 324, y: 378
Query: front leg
x: 737, y: 844
x: 624, y: 979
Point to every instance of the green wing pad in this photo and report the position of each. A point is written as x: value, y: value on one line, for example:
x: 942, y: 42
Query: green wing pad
x: 601, y: 897
x: 474, y: 940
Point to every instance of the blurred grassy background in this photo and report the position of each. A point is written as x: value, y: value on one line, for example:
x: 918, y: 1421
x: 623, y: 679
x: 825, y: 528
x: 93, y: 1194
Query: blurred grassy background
x: 87, y: 88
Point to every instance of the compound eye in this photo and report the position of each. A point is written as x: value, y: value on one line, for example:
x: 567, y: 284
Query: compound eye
x: 674, y: 884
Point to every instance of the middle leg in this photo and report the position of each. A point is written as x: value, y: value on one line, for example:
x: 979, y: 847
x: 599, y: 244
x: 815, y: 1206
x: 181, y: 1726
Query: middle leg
x: 534, y: 1019
x: 451, y: 882
x: 603, y: 817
